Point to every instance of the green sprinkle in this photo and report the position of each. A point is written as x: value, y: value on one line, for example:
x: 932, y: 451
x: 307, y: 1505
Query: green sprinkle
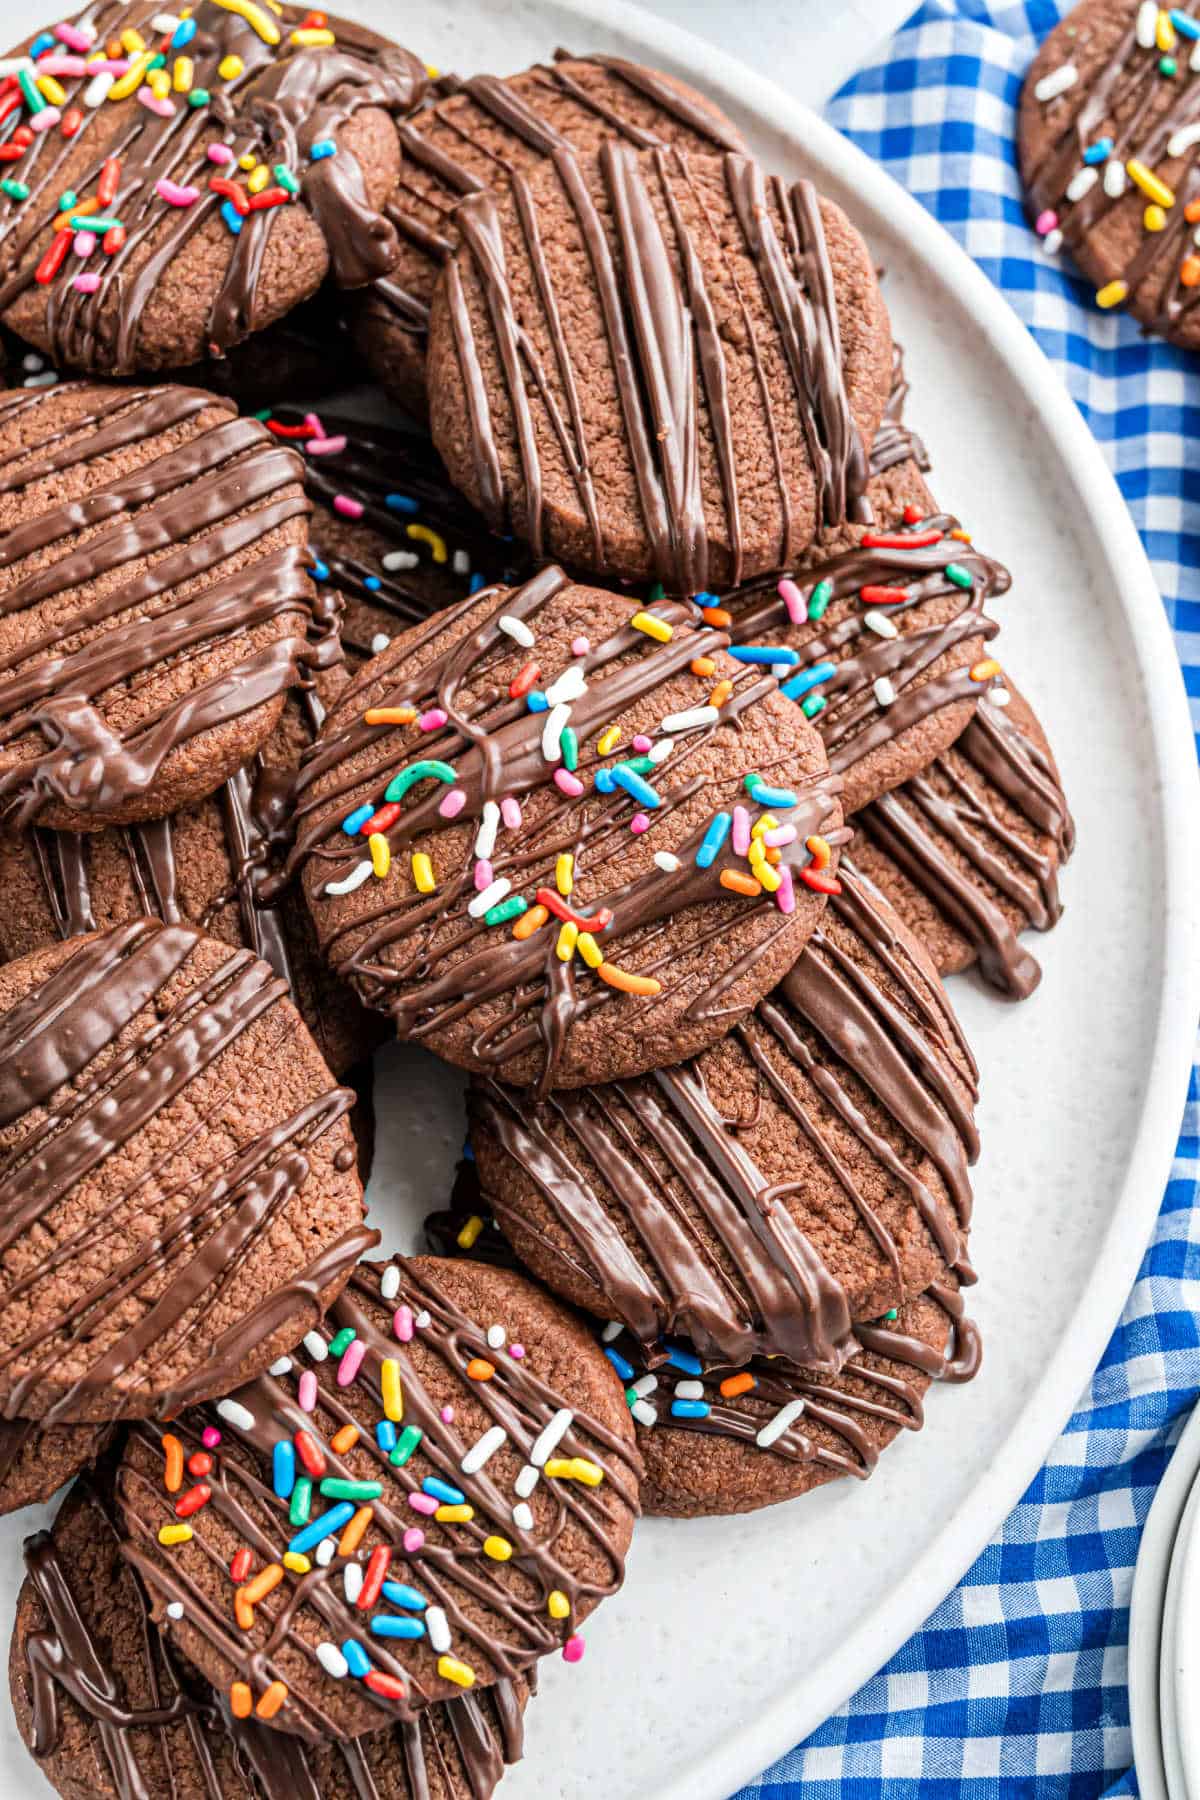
x: 93, y: 222
x: 891, y: 1315
x: 35, y: 100
x: 631, y: 1396
x: 410, y: 1437
x: 568, y: 744
x: 959, y: 576
x: 640, y: 765
x: 657, y: 592
x: 264, y: 415
x: 504, y: 910
x: 67, y: 199
x: 1167, y: 65
x: 752, y: 781
x: 16, y: 190
x: 811, y: 705
x: 156, y: 62
x: 301, y: 1503
x: 286, y: 179
x: 198, y: 97
x: 339, y: 1344
x: 351, y: 1490
x: 819, y: 599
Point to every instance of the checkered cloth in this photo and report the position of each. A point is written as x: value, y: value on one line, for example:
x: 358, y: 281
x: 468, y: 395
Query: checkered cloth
x: 1017, y: 1684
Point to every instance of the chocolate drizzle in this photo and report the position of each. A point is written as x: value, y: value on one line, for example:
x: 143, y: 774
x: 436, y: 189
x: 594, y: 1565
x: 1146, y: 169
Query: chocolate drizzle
x: 285, y: 100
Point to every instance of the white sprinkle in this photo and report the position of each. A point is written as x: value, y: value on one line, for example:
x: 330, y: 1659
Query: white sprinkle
x: 14, y: 65
x: 658, y: 753
x: 1082, y: 182
x: 1183, y: 140
x: 489, y: 825
x: 690, y: 720
x: 612, y: 1330
x: 999, y: 696
x: 96, y: 91
x: 1194, y: 58
x: 491, y: 896
x: 32, y: 362
x: 389, y: 1282
x: 281, y: 1367
x: 518, y: 631
x: 422, y: 1319
x: 523, y: 1516
x: 885, y: 693
x: 1052, y: 242
x: 354, y: 879
x: 880, y: 624
x: 689, y: 1390
x: 1146, y: 28
x: 316, y: 1346
x: 235, y: 1414
x: 557, y: 720
x: 570, y: 685
x: 497, y: 1337
x: 49, y: 378
x: 645, y: 1384
x: 1057, y: 82
x: 165, y: 21
x: 352, y: 1581
x: 325, y: 1552
x: 551, y: 1436
x: 400, y: 559
x: 462, y: 563
x: 775, y: 1428
x: 332, y: 1660
x: 644, y: 1413
x: 664, y: 860
x: 526, y: 1480
x: 483, y: 1449
x: 1114, y: 178
x: 438, y: 1629
x: 175, y: 1610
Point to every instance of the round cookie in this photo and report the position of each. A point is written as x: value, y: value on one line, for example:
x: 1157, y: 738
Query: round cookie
x: 659, y: 366
x: 108, y: 1708
x: 176, y: 1170
x: 808, y: 1171
x: 968, y: 852
x: 186, y: 269
x: 36, y: 1460
x: 421, y: 1367
x: 155, y: 604
x: 565, y: 892
x: 471, y: 136
x: 723, y: 1440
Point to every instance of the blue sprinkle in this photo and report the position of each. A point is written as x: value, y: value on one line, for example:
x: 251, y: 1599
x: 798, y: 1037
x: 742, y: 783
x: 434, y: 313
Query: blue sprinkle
x: 762, y: 795
x: 283, y: 1469
x: 762, y: 653
x: 604, y: 781
x: 687, y: 1360
x: 714, y: 837
x: 476, y: 583
x: 401, y: 503
x: 707, y: 599
x: 185, y: 31
x: 231, y: 216
x: 373, y: 582
x: 441, y: 1490
x: 385, y: 1625
x: 356, y: 1656
x: 689, y: 1409
x: 1184, y: 23
x: 1098, y: 152
x: 328, y: 1525
x: 634, y: 786
x: 45, y: 41
x: 359, y: 817
x: 807, y: 678
x: 624, y: 1369
x: 322, y: 148
x: 536, y: 701
x: 385, y: 1436
x: 401, y: 1595
x: 319, y: 570
x: 468, y: 1152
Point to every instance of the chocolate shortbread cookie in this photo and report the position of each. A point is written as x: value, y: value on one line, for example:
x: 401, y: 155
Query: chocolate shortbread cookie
x: 472, y: 136
x: 109, y: 1708
x: 178, y: 1172
x: 968, y: 852
x: 658, y: 365
x: 36, y: 1460
x: 808, y: 1171
x: 526, y: 833
x: 436, y: 1492
x: 136, y: 230
x: 1107, y: 140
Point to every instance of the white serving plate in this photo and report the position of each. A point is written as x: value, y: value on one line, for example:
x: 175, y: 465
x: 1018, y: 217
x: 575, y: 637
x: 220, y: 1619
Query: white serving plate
x: 1177, y: 1655
x: 732, y: 1639
x: 1147, y: 1608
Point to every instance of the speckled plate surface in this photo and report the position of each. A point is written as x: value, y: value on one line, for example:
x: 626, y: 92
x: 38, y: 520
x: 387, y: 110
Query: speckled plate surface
x: 732, y: 1639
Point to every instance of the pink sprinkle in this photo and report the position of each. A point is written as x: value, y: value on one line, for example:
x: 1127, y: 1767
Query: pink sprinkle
x: 793, y: 599
x: 314, y: 425
x: 349, y: 509
x: 402, y: 1324
x: 573, y: 1649
x: 642, y: 743
x: 62, y: 65
x: 580, y: 646
x: 220, y: 153
x: 785, y: 893
x: 43, y: 120
x: 325, y: 446
x: 210, y: 1437
x: 517, y: 1350
x: 447, y: 1415
x: 782, y: 834
x: 510, y: 812
x: 351, y: 1361
x: 639, y: 823
x: 453, y: 804
x: 164, y: 108
x: 741, y: 831
x: 566, y: 783
x: 1046, y: 222
x: 433, y: 720
x: 484, y: 875
x: 424, y: 1503
x: 86, y: 284
x: 412, y: 1540
x: 83, y: 243
x: 307, y: 1392
x: 74, y: 38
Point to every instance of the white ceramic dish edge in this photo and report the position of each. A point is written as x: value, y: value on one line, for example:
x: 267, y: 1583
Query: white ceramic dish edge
x: 1147, y: 1604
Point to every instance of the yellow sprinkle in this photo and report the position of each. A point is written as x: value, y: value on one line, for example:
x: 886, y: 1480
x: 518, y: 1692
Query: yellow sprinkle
x: 128, y: 83
x: 182, y: 72
x: 1149, y: 182
x: 159, y: 83
x: 498, y: 1548
x: 608, y: 740
x: 983, y: 671
x: 574, y: 1468
x: 310, y: 37
x: 258, y: 178
x: 1154, y: 218
x: 54, y: 91
x: 436, y: 542
x: 299, y: 1565
x: 393, y: 1393
x: 470, y: 1231
x: 254, y: 16
x: 1112, y: 294
x: 568, y: 937
x: 381, y: 853
x: 230, y: 67
x: 653, y: 627
x: 590, y: 950
x: 558, y: 1606
x: 768, y: 877
x: 450, y: 1669
x: 454, y: 1515
x: 433, y: 72
x: 422, y: 872
x: 768, y: 822
x: 132, y: 42
x: 248, y: 161
x: 174, y: 1534
x: 564, y: 872
x: 1164, y: 31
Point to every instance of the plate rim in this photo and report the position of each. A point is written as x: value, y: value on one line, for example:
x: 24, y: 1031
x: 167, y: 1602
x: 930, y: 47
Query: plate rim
x: 1147, y: 1605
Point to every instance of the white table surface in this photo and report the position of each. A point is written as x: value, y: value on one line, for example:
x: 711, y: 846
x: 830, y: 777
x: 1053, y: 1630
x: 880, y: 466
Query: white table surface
x: 809, y: 47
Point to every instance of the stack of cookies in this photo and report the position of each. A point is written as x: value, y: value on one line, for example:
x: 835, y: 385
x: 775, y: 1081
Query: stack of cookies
x: 608, y: 707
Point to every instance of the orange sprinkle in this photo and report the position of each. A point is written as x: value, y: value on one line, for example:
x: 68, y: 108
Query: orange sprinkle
x: 818, y: 849
x: 344, y: 1440
x: 355, y: 1531
x: 703, y: 666
x: 261, y: 1586
x: 272, y: 1700
x: 716, y: 615
x: 1189, y: 271
x: 390, y: 715
x: 738, y: 1384
x: 173, y: 1450
x: 241, y: 1700
x: 962, y: 537
x: 773, y: 856
x: 530, y: 921
x: 983, y: 671
x: 66, y: 220
x: 627, y: 983
x: 480, y: 1369
x: 243, y: 1613
x: 740, y: 884
x: 720, y: 693
x: 1191, y: 212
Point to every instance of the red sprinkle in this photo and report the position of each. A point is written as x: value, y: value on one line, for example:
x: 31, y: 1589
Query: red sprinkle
x: 882, y: 596
x: 23, y: 135
x: 9, y: 105
x: 229, y: 190
x: 113, y: 240
x: 310, y: 1454
x: 383, y: 820
x: 54, y: 258
x: 239, y: 1568
x: 72, y: 119
x: 913, y: 514
x: 288, y: 431
x: 269, y: 197
x: 523, y: 680
x: 193, y: 1500
x: 387, y: 1685
x: 108, y: 182
x: 906, y: 540
x: 11, y: 152
x: 820, y: 884
x: 200, y: 1463
x: 372, y: 1585
x: 555, y: 903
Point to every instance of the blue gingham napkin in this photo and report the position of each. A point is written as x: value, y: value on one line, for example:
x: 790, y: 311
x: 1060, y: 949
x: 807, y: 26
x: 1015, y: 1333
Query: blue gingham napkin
x: 1017, y: 1684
